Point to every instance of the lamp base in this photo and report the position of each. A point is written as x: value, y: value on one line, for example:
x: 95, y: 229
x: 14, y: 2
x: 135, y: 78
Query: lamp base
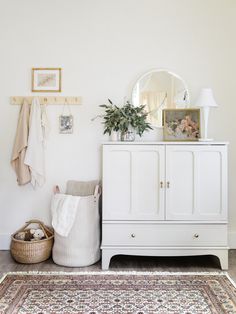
x: 205, y: 139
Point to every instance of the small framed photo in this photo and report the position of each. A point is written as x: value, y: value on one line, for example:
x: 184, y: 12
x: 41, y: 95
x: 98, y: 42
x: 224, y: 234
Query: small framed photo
x: 66, y: 124
x: 181, y: 124
x: 46, y: 80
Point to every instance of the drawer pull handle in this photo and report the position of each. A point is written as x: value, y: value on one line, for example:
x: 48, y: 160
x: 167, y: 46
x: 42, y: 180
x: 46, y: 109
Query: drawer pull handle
x: 161, y: 184
x: 168, y: 184
x: 196, y: 236
x: 132, y: 235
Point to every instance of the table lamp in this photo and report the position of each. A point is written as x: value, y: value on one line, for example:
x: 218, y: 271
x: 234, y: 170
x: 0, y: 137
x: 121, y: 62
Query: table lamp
x: 205, y: 101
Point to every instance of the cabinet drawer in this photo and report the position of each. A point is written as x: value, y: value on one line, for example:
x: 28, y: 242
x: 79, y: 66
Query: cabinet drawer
x: 155, y: 234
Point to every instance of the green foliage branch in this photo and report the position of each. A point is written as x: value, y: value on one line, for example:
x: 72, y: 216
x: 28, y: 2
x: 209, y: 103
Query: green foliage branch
x: 122, y: 118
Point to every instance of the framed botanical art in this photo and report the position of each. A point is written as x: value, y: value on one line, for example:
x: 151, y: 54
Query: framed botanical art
x: 181, y: 124
x: 46, y: 80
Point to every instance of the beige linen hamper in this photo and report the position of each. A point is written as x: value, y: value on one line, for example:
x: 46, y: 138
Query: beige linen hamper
x: 82, y: 246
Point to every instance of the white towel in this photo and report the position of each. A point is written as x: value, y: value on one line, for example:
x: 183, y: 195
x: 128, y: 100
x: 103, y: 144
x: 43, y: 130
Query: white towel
x: 45, y: 122
x: 34, y: 157
x: 64, y: 209
x: 20, y: 146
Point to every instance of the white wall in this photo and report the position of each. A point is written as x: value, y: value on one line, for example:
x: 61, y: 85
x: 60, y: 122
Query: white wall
x: 103, y: 46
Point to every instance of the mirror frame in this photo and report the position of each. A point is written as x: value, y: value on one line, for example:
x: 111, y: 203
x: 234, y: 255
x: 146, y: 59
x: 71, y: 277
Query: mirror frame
x: 161, y: 70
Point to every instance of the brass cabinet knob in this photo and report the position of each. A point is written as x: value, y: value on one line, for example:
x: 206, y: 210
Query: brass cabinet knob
x: 196, y: 235
x: 132, y: 235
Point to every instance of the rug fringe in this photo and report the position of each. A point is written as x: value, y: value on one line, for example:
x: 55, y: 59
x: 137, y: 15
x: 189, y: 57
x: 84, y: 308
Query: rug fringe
x: 44, y: 273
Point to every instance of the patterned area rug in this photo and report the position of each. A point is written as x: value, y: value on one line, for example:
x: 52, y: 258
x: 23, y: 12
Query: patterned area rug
x: 123, y: 292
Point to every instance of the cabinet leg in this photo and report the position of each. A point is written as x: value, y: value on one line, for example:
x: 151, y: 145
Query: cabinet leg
x: 106, y: 257
x: 223, y: 257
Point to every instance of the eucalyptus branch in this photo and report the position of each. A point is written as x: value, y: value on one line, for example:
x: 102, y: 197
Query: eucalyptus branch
x: 97, y: 116
x: 122, y: 118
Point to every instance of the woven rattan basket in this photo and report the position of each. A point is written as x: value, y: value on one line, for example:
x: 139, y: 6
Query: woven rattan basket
x: 31, y: 252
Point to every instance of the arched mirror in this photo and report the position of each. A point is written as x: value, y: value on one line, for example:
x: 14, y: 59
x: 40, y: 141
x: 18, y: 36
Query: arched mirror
x: 158, y: 90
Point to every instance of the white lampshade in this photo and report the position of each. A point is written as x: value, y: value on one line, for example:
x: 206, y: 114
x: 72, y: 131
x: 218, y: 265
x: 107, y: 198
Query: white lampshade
x: 206, y: 99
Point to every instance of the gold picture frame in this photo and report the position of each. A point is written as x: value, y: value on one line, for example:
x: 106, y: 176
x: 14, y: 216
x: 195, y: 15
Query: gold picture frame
x: 46, y: 80
x: 181, y: 125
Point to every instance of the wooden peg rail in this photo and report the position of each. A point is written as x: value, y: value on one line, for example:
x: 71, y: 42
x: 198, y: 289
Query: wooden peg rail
x: 48, y: 100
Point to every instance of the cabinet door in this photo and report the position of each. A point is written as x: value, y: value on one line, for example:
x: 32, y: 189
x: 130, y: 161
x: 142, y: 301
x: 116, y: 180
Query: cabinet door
x: 196, y: 187
x: 132, y: 176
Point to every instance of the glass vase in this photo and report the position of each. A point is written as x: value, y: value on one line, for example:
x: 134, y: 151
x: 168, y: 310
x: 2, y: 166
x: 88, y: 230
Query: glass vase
x: 128, y: 136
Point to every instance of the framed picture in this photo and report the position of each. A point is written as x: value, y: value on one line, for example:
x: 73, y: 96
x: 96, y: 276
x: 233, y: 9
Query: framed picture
x: 181, y: 124
x: 46, y: 80
x: 66, y: 124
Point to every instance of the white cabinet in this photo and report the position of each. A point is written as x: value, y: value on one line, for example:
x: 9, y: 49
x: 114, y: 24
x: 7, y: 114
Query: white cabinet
x: 196, y: 177
x: 164, y: 199
x: 131, y: 182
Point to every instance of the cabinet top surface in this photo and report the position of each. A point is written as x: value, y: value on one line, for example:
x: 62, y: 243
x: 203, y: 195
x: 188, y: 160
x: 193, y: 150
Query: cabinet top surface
x: 166, y: 143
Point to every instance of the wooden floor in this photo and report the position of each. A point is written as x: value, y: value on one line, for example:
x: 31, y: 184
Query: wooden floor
x: 129, y: 263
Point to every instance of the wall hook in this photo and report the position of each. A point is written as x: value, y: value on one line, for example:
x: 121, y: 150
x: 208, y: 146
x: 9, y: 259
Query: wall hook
x: 49, y: 100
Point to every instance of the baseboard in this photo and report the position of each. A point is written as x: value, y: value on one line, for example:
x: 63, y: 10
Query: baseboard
x: 5, y: 240
x: 232, y: 239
